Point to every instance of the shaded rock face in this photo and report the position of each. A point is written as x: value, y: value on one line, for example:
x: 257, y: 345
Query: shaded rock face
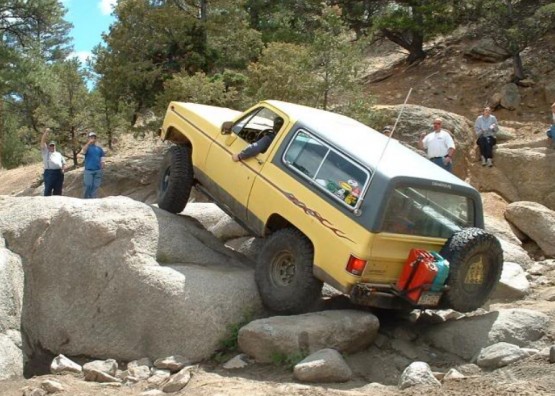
x: 11, y: 301
x: 536, y: 221
x: 94, y: 286
x: 487, y: 51
x: 519, y: 174
x: 466, y: 337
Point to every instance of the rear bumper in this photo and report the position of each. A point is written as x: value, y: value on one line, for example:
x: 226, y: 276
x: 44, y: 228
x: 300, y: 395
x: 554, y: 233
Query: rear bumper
x: 387, y: 297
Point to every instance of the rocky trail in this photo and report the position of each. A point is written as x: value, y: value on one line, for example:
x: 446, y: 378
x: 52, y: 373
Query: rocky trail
x: 195, y: 270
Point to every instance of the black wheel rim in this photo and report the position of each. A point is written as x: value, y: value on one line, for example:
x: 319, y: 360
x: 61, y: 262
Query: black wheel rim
x: 282, y: 271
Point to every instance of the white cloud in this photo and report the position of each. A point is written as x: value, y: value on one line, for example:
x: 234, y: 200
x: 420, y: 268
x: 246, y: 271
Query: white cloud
x: 82, y: 56
x: 106, y: 6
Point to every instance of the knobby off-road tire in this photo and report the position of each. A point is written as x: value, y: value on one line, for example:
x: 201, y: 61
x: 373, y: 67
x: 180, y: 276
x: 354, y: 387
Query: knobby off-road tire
x: 475, y: 264
x: 284, y: 273
x: 175, y: 179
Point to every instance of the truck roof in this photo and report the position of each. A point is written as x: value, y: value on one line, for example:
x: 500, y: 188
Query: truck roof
x: 366, y: 144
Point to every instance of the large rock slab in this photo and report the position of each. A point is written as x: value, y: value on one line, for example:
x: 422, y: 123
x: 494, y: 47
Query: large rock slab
x: 519, y: 174
x: 94, y: 285
x: 466, y: 337
x: 486, y: 50
x: 215, y: 220
x: 499, y: 355
x: 342, y: 330
x: 513, y: 284
x: 501, y: 229
x: 516, y: 254
x: 536, y: 221
x: 326, y: 365
x: 11, y: 303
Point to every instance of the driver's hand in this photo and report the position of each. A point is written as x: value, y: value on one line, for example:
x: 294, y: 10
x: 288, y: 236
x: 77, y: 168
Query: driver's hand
x: 235, y: 157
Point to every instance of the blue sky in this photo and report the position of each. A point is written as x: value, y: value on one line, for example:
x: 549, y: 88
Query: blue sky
x: 90, y: 18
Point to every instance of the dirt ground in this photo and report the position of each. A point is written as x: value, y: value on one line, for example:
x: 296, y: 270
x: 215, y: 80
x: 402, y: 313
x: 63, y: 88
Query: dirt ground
x: 445, y: 80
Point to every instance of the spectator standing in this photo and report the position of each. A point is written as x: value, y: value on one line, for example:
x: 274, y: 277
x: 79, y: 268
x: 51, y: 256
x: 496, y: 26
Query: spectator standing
x: 486, y: 129
x: 439, y: 145
x: 551, y: 130
x: 54, y: 166
x: 94, y: 165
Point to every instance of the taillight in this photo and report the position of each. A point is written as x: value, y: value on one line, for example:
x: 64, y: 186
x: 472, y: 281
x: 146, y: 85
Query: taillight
x: 355, y: 265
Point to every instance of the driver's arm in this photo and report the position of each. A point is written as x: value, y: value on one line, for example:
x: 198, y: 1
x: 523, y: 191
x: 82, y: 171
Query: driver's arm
x: 255, y: 148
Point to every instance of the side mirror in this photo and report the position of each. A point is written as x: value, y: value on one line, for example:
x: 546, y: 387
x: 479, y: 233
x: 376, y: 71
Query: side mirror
x: 226, y: 127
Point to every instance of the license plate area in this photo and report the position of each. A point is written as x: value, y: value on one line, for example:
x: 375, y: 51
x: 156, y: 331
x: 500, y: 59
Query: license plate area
x: 429, y: 298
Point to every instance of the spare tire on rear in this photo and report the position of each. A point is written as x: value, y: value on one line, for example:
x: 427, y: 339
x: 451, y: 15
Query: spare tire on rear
x: 475, y: 264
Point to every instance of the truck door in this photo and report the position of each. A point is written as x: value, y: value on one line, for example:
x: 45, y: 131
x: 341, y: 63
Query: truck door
x: 232, y: 181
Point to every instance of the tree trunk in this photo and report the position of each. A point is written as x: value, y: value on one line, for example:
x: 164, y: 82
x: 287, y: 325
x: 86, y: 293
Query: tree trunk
x: 518, y: 68
x: 74, y: 148
x: 414, y: 46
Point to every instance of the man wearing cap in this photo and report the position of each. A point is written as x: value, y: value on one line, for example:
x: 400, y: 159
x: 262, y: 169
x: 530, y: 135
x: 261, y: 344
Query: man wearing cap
x: 54, y: 166
x: 94, y: 163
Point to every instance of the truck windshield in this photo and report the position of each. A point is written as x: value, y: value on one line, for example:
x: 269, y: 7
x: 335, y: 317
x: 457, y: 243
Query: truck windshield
x: 431, y: 213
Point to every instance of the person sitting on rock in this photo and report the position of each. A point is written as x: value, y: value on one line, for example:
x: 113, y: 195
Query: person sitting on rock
x: 486, y: 129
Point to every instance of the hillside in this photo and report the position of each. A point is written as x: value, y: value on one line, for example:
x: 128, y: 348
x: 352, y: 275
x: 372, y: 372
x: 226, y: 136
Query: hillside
x: 451, y: 81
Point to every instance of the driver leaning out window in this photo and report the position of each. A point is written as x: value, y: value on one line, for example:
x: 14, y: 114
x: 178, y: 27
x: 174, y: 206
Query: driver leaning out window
x: 262, y: 144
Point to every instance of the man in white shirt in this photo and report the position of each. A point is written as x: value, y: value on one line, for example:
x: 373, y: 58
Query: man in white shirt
x: 439, y: 145
x: 54, y: 166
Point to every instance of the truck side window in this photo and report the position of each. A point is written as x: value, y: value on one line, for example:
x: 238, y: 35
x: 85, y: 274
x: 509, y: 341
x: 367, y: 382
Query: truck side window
x: 253, y: 125
x: 328, y: 169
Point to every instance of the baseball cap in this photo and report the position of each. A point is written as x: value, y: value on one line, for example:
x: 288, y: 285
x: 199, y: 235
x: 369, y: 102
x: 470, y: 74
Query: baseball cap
x: 52, y: 143
x: 92, y: 134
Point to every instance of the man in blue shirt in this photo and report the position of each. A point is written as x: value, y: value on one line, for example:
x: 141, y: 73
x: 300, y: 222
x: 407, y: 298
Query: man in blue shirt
x: 94, y: 163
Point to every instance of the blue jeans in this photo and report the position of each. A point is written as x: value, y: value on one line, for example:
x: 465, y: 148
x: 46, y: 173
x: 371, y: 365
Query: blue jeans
x: 53, y: 182
x: 91, y: 181
x: 439, y: 161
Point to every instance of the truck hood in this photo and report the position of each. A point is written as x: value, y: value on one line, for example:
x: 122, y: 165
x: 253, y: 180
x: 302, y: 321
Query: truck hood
x: 212, y: 114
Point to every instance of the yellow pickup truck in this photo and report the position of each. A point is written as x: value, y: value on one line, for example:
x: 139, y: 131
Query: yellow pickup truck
x: 336, y: 202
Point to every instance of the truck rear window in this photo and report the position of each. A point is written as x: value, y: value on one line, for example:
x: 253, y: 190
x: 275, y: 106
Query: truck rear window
x: 431, y: 213
x: 328, y: 169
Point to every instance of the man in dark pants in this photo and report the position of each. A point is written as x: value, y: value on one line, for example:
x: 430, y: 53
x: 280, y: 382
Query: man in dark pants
x: 54, y: 166
x: 94, y: 165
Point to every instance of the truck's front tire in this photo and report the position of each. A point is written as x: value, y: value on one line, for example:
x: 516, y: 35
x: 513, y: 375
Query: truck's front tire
x: 175, y: 179
x: 475, y: 264
x: 284, y: 273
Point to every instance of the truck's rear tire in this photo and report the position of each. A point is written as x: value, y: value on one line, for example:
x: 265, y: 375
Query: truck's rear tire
x: 284, y: 273
x: 475, y: 265
x: 175, y: 179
